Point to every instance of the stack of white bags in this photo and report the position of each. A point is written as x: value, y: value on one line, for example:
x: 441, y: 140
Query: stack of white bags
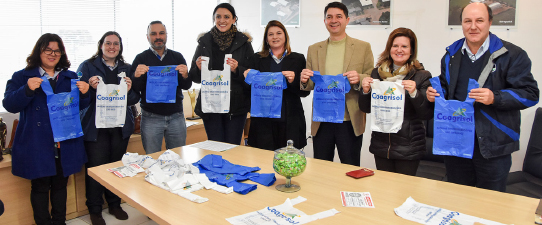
x: 170, y: 173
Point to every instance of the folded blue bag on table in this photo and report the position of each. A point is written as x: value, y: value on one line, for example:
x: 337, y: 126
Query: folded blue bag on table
x: 228, y: 174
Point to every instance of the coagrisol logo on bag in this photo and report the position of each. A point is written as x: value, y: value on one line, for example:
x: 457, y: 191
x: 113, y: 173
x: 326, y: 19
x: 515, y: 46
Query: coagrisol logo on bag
x: 113, y: 96
x: 457, y: 116
x: 216, y: 81
x: 288, y: 217
x: 388, y: 95
x: 68, y: 104
x: 271, y: 84
x: 331, y: 88
x: 166, y: 72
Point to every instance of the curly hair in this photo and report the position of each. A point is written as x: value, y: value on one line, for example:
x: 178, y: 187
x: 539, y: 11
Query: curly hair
x: 34, y: 59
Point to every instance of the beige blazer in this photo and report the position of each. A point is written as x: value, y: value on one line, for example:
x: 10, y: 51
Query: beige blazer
x: 357, y: 56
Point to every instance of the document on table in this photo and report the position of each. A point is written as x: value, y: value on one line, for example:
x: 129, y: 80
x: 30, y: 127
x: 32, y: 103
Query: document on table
x: 431, y: 215
x: 357, y: 199
x: 190, y: 123
x: 126, y: 171
x: 213, y: 146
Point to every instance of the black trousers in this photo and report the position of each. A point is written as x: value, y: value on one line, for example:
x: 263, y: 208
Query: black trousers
x: 53, y: 187
x: 266, y: 133
x: 407, y: 167
x: 479, y: 172
x: 224, y: 128
x: 341, y: 135
x: 109, y: 147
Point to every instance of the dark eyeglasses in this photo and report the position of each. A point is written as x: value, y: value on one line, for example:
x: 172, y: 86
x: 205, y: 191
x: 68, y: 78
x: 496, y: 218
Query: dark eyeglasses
x: 49, y: 51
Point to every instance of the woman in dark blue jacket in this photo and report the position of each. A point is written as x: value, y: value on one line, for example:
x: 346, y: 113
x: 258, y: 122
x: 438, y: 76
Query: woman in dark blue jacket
x: 35, y: 154
x: 105, y: 145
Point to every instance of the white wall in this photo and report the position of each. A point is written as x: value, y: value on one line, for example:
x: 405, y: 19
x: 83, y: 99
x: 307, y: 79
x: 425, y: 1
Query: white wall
x: 428, y: 20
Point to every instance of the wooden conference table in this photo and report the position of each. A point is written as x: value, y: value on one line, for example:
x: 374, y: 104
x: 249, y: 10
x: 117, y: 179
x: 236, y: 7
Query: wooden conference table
x: 321, y: 184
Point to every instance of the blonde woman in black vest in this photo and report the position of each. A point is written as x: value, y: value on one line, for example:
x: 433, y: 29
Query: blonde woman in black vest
x: 400, y: 152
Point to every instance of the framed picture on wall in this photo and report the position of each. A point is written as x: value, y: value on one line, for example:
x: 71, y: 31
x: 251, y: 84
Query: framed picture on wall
x: 504, y: 11
x: 285, y: 11
x: 369, y: 12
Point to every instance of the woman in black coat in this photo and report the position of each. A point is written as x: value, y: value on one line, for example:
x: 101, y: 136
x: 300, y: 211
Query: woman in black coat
x: 221, y: 40
x: 400, y: 152
x: 106, y: 145
x: 276, y: 56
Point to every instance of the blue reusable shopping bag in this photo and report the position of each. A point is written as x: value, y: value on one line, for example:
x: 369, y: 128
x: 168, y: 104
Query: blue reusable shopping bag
x: 266, y: 93
x: 329, y: 97
x: 454, y: 129
x: 63, y: 111
x: 162, y: 84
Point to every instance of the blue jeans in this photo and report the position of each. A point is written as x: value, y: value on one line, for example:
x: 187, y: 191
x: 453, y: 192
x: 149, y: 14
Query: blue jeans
x: 156, y: 127
x: 479, y: 172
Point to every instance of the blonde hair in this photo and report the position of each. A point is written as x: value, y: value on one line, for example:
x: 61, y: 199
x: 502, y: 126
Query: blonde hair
x: 265, y: 47
x: 412, y: 61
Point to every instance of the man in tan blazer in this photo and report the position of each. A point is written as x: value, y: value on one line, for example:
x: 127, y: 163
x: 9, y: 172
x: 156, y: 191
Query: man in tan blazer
x: 353, y: 58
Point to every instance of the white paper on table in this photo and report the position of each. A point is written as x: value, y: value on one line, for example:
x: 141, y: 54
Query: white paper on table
x: 126, y: 171
x: 431, y: 215
x: 144, y: 161
x: 283, y: 214
x: 213, y: 146
x: 172, y: 174
x: 190, y: 123
x: 357, y: 199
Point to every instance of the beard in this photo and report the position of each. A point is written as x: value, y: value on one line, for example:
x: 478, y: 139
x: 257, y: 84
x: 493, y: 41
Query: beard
x: 158, y: 46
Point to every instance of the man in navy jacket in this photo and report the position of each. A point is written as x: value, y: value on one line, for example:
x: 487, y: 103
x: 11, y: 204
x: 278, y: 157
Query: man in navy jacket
x: 161, y: 120
x: 507, y: 86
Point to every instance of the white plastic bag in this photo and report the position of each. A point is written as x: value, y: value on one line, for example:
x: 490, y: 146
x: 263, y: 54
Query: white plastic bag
x: 111, y: 100
x: 431, y: 215
x: 284, y: 214
x: 215, y: 87
x: 387, y: 106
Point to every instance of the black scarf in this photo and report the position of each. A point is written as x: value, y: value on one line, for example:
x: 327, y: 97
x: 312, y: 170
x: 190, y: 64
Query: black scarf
x: 224, y: 39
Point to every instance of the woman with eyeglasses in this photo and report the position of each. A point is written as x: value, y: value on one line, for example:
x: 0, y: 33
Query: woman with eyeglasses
x: 106, y: 145
x: 35, y: 155
x: 224, y: 38
x: 277, y: 56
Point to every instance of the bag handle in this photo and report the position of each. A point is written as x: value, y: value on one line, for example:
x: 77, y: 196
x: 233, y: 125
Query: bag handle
x: 46, y: 86
x: 316, y: 76
x: 205, y: 63
x: 435, y: 82
x: 472, y: 85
